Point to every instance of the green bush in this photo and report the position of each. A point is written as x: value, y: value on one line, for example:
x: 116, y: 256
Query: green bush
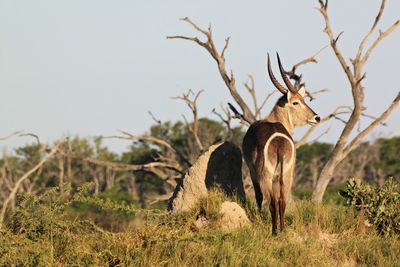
x: 111, y: 210
x: 380, y: 206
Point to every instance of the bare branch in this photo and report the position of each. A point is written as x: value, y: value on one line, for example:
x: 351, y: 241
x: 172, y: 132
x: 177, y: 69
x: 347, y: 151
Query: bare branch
x: 154, y: 118
x: 382, y: 35
x: 117, y: 166
x: 339, y: 110
x: 220, y: 60
x: 373, y: 118
x: 311, y: 95
x: 227, y: 121
x: 376, y: 122
x: 311, y: 59
x: 146, y: 137
x: 333, y: 41
x: 337, y: 38
x: 197, y: 27
x: 193, y: 106
x: 34, y: 136
x: 340, y: 119
x: 292, y: 73
x: 322, y: 134
x: 237, y: 115
x: 304, y: 139
x: 265, y: 101
x: 152, y: 139
x: 10, y: 135
x: 368, y: 35
x: 249, y: 85
x: 360, y: 79
x: 225, y: 47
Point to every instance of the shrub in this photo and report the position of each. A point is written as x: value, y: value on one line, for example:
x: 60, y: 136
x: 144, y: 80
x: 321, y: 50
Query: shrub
x: 380, y: 206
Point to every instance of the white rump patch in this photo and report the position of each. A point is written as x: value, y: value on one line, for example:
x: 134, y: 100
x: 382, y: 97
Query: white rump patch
x: 267, y: 164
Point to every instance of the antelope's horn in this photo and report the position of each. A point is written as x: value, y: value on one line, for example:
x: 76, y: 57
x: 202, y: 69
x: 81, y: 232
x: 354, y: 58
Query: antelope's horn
x: 278, y: 86
x: 285, y: 78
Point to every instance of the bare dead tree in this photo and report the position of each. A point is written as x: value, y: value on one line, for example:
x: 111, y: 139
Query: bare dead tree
x: 194, y: 127
x: 226, y: 120
x: 250, y: 87
x: 247, y: 116
x: 170, y: 163
x: 10, y: 198
x: 219, y: 58
x: 159, y: 141
x: 156, y: 168
x: 355, y: 76
x: 10, y: 175
x: 168, y: 167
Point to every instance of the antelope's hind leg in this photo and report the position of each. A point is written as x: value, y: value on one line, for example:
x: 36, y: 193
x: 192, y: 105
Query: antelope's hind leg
x: 259, y: 195
x: 274, y: 206
x: 285, y: 186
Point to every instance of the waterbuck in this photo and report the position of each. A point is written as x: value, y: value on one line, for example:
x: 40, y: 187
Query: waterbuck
x: 269, y: 150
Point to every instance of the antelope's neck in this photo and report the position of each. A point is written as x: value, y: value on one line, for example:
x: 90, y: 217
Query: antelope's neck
x: 281, y: 115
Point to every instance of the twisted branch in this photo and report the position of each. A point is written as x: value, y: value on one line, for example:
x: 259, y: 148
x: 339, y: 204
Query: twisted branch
x: 219, y: 58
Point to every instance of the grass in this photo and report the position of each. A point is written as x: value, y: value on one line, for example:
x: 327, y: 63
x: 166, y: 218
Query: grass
x: 316, y: 235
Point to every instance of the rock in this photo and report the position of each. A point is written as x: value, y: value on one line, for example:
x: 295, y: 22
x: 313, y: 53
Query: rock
x: 224, y: 170
x: 201, y: 222
x: 220, y: 166
x: 233, y: 216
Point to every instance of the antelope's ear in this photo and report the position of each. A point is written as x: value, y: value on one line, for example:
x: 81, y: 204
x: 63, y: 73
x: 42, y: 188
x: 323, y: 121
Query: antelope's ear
x: 289, y: 95
x: 302, y: 91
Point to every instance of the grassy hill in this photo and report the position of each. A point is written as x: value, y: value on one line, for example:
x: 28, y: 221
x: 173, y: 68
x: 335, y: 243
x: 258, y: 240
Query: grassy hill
x: 48, y: 230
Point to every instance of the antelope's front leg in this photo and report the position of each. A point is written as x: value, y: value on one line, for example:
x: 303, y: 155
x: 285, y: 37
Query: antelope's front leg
x: 272, y: 195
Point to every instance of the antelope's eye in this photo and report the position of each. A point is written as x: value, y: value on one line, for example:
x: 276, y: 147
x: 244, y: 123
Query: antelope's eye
x: 295, y: 103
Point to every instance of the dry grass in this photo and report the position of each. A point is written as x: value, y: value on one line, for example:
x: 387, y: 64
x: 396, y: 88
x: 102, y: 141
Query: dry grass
x: 317, y: 235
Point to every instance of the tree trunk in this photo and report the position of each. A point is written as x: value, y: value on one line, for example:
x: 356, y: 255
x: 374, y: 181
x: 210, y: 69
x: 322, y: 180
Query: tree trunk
x: 324, y: 178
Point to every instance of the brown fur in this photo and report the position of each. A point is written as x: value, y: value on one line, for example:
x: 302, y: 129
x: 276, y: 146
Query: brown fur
x: 271, y: 168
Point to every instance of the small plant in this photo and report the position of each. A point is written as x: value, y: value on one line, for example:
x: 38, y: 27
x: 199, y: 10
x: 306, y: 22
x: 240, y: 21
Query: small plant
x: 380, y: 205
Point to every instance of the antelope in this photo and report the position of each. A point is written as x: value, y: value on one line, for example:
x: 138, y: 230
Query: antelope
x: 269, y: 150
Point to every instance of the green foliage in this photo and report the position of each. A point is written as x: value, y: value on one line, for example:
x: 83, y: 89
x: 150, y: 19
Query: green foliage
x: 111, y: 210
x: 332, y: 194
x: 310, y: 160
x: 309, y: 151
x: 389, y: 159
x: 112, y: 228
x: 42, y: 233
x: 38, y: 215
x: 381, y: 206
x: 102, y: 201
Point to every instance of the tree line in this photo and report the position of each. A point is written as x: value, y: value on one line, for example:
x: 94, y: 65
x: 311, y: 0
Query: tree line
x: 82, y: 160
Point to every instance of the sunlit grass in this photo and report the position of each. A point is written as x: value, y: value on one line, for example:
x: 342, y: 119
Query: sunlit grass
x: 316, y: 235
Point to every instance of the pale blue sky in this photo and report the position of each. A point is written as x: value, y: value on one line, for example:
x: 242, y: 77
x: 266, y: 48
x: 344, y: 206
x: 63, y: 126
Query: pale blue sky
x: 91, y: 67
